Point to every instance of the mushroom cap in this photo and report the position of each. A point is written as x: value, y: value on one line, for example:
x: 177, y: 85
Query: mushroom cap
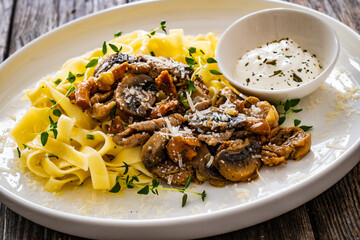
x: 134, y: 94
x: 240, y: 160
x: 154, y: 151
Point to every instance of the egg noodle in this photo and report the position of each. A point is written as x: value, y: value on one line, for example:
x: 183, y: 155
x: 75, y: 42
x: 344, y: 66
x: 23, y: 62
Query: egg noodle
x: 77, y: 147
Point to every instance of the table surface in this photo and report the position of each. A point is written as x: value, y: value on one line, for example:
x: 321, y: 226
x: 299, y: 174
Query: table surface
x: 335, y: 214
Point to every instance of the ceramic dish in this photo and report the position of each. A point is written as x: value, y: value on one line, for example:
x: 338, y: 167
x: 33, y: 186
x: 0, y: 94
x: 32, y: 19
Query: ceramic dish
x: 309, y: 31
x: 336, y: 135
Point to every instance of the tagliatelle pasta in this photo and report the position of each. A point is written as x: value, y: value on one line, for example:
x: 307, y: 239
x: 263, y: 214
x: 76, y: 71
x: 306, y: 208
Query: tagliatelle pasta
x: 77, y: 148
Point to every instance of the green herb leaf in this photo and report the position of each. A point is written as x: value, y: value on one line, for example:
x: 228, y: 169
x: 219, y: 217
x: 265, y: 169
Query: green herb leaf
x: 184, y: 200
x: 276, y: 73
x: 192, y: 50
x: 191, y: 86
x: 296, y: 78
x: 287, y: 105
x: 281, y: 120
x: 80, y: 75
x: 92, y: 63
x: 114, y: 48
x: 144, y: 190
x: 296, y: 122
x: 19, y: 152
x: 113, y: 112
x: 190, y: 61
x: 294, y: 102
x: 155, y: 183
x: 116, y: 188
x: 104, y: 48
x: 51, y: 155
x: 306, y: 128
x: 126, y: 168
x: 203, y: 195
x: 70, y: 90
x: 118, y: 34
x: 90, y: 136
x: 296, y: 110
x: 152, y: 53
x: 272, y: 62
x: 71, y: 77
x: 57, y: 112
x: 187, y: 183
x: 202, y: 51
x: 215, y: 72
x: 211, y: 60
x: 58, y: 81
x: 44, y: 138
x: 184, y: 101
x: 52, y: 101
x: 26, y: 146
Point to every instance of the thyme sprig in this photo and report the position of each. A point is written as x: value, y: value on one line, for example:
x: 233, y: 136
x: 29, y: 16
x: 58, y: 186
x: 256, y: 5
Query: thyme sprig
x: 133, y: 181
x: 161, y: 27
x: 56, y: 112
x: 287, y: 109
x: 201, y: 62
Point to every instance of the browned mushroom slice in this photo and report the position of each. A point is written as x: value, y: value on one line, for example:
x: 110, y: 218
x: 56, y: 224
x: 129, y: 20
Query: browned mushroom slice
x: 165, y: 83
x: 100, y: 111
x: 154, y: 151
x: 163, y: 107
x: 116, y: 126
x: 262, y: 110
x: 108, y: 62
x: 134, y: 94
x: 257, y: 126
x: 213, y: 139
x: 133, y: 140
x: 82, y: 93
x: 205, y: 170
x: 285, y: 143
x: 156, y: 124
x: 172, y: 173
x: 227, y: 94
x: 101, y: 97
x: 182, y: 148
x: 159, y: 64
x: 239, y: 160
x: 213, y: 120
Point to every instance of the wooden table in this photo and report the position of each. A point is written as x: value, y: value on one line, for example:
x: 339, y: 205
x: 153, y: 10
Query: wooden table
x: 335, y: 214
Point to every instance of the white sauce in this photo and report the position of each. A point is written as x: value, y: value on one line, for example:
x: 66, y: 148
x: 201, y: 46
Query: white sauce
x: 277, y: 65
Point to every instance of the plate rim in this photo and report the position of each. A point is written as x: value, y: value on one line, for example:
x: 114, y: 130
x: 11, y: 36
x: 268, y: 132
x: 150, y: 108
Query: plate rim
x: 11, y: 198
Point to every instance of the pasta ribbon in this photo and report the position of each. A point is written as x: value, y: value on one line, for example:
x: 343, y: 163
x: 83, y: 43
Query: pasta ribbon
x: 76, y: 147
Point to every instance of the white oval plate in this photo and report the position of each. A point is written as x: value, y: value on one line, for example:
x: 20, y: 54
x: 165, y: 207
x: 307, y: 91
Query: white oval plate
x: 108, y: 216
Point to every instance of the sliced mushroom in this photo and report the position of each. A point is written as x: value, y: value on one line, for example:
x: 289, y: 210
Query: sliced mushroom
x: 239, y: 160
x: 132, y: 141
x: 154, y: 151
x: 286, y: 143
x: 112, y: 60
x: 134, y: 94
x: 182, y: 148
x: 205, y: 169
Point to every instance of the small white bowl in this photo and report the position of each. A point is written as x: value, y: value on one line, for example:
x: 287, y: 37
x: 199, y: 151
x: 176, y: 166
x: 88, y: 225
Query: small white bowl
x: 258, y: 28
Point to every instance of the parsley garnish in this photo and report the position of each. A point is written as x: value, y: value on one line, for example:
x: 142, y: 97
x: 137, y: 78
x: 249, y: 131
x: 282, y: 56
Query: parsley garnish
x: 152, y: 53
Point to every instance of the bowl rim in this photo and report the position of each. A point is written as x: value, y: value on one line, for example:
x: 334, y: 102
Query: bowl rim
x: 325, y: 71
